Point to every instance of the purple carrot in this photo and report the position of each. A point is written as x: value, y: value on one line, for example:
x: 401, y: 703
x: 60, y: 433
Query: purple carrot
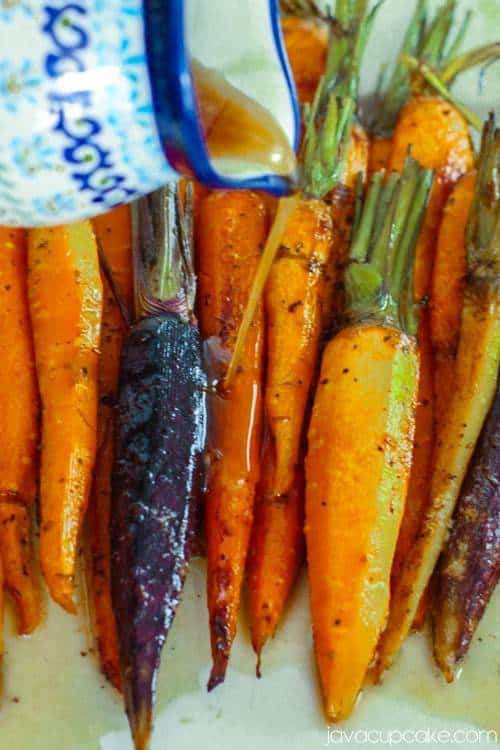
x: 470, y: 565
x: 160, y: 437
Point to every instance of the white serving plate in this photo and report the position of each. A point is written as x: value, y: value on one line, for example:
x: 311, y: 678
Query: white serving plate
x: 56, y: 699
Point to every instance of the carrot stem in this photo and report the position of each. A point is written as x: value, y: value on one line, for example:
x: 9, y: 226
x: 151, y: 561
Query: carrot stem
x: 329, y: 121
x: 163, y: 265
x: 482, y: 228
x: 383, y: 244
x: 435, y: 81
x: 484, y: 55
x: 393, y: 91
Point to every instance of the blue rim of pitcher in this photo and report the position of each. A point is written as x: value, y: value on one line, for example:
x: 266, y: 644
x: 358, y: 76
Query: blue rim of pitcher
x: 175, y: 104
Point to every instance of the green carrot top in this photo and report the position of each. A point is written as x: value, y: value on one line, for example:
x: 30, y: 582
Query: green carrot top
x: 430, y: 48
x: 483, y: 227
x: 328, y: 121
x: 380, y: 273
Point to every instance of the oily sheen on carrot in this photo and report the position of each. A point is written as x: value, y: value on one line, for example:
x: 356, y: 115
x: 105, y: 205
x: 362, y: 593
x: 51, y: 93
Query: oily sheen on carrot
x: 358, y: 457
x: 348, y: 457
x: 439, y: 139
x: 293, y: 299
x: 299, y: 302
x: 19, y: 434
x: 65, y: 295
x: 447, y: 291
x: 113, y: 232
x: 231, y: 232
x: 476, y: 374
x: 276, y: 551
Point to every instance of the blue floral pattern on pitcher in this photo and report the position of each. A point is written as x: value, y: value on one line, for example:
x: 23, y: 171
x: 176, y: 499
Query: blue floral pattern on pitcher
x: 94, y: 142
x: 79, y: 124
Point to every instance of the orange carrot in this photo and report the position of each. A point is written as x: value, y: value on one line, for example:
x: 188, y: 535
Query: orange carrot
x: 293, y: 315
x: 19, y: 577
x: 357, y: 157
x: 447, y: 291
x: 19, y: 433
x: 476, y: 374
x: 306, y: 46
x: 380, y: 153
x: 113, y: 232
x: 65, y: 294
x: 1, y: 622
x: 442, y: 324
x: 298, y: 302
x: 231, y: 233
x: 358, y: 459
x: 439, y: 139
x: 276, y: 551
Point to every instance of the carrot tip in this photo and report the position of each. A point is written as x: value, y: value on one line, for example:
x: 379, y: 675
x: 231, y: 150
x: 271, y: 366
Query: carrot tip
x: 64, y: 599
x: 258, y: 671
x: 27, y: 628
x: 218, y: 673
x: 141, y: 726
x: 447, y: 665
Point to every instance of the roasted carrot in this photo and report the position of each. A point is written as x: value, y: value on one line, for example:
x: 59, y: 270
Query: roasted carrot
x: 439, y: 139
x: 297, y: 303
x: 160, y: 436
x: 296, y: 285
x: 380, y: 153
x: 447, y: 292
x: 445, y: 146
x: 276, y: 551
x: 358, y: 459
x: 19, y: 433
x: 231, y: 233
x: 65, y: 295
x: 1, y: 624
x: 306, y: 43
x: 430, y: 40
x: 470, y: 565
x: 17, y: 559
x: 476, y: 372
x: 293, y: 323
x: 113, y: 232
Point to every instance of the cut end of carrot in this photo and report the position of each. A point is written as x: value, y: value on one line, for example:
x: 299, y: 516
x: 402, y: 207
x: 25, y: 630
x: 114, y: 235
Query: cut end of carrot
x: 218, y: 673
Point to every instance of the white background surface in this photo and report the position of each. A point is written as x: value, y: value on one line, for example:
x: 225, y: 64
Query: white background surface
x: 54, y: 697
